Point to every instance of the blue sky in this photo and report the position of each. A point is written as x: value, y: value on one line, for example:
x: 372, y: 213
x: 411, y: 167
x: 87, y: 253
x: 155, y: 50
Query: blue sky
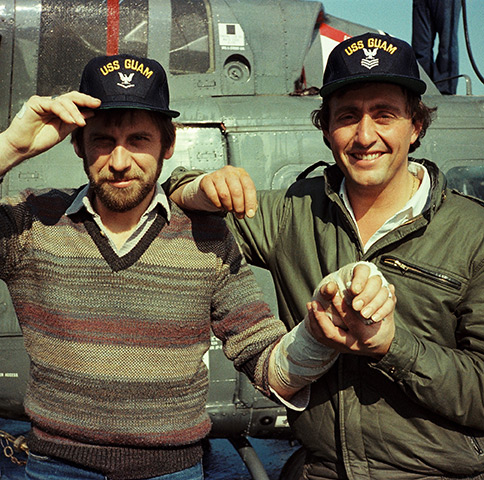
x: 395, y: 17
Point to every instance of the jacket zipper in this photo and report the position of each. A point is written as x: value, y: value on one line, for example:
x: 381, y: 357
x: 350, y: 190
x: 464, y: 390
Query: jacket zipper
x: 423, y: 272
x: 476, y: 446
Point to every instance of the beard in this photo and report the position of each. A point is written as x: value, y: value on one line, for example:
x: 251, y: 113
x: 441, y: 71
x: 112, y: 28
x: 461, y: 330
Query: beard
x: 123, y: 199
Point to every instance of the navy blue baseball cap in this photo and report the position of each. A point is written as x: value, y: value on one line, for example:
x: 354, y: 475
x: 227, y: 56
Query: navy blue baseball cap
x: 127, y: 81
x: 372, y: 57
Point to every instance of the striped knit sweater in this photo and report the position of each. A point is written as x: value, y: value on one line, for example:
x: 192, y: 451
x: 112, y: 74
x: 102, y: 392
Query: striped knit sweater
x: 116, y: 344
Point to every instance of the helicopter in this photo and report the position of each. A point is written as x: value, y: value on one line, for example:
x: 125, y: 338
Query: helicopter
x: 241, y: 104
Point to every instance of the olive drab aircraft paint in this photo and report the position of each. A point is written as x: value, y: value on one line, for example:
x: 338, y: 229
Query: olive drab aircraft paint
x: 245, y: 76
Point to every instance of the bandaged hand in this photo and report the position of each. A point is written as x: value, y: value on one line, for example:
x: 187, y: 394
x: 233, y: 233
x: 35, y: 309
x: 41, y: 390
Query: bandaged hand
x: 357, y: 312
x: 353, y: 281
x: 309, y: 350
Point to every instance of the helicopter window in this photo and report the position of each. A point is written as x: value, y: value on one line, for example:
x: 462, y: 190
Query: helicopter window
x: 77, y: 30
x: 468, y: 180
x: 190, y: 37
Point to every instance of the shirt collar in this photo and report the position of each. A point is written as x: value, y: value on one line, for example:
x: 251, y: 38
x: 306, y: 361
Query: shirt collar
x: 414, y: 207
x: 420, y: 201
x: 416, y: 204
x: 82, y: 200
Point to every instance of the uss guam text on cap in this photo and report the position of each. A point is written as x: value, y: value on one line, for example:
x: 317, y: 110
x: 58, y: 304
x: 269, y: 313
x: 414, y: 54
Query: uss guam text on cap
x: 372, y: 57
x: 127, y: 81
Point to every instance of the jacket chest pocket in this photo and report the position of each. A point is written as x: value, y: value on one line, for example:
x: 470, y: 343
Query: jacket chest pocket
x: 428, y: 301
x: 438, y: 279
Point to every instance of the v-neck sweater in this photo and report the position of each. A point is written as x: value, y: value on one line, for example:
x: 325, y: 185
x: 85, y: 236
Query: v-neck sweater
x: 118, y: 383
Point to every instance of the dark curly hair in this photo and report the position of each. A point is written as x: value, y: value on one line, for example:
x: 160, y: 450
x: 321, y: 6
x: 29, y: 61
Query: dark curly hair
x: 418, y: 111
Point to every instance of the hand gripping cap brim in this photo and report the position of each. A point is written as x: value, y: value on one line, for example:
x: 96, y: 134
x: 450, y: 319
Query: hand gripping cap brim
x: 127, y: 81
x: 372, y: 58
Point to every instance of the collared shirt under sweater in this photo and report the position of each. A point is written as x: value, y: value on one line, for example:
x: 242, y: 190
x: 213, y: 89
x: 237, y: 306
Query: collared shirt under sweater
x: 117, y: 382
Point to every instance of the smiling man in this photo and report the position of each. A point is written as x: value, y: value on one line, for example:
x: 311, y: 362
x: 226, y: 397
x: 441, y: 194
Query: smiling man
x: 117, y: 291
x: 405, y: 399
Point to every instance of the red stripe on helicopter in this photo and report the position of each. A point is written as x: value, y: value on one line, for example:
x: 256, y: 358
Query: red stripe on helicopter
x: 112, y: 38
x: 332, y: 33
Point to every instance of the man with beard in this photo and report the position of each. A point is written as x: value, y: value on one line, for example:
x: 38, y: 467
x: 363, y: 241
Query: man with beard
x: 116, y: 290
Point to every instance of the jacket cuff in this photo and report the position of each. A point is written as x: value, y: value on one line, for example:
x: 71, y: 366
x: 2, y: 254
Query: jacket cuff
x: 179, y: 177
x: 401, y: 356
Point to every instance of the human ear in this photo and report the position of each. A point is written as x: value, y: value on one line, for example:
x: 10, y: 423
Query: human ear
x: 417, y: 128
x: 326, y: 138
x: 170, y: 151
x: 78, y: 149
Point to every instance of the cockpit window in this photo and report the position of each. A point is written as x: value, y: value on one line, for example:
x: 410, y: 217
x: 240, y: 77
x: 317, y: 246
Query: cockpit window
x: 468, y: 180
x: 190, y: 50
x: 76, y: 30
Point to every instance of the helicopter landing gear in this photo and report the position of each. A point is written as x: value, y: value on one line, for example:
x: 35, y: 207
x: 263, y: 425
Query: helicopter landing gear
x: 250, y: 458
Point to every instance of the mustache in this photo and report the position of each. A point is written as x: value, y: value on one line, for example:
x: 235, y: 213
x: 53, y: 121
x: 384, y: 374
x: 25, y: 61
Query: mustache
x: 116, y: 178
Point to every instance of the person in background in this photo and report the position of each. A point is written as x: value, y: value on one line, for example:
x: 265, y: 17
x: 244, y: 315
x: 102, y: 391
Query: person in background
x: 432, y: 18
x: 405, y: 398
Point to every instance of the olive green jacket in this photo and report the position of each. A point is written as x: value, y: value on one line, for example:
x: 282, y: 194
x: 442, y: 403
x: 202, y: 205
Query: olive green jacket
x: 419, y: 412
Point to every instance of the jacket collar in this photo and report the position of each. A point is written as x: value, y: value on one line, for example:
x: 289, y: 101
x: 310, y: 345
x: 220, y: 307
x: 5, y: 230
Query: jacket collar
x: 438, y: 184
x: 334, y: 177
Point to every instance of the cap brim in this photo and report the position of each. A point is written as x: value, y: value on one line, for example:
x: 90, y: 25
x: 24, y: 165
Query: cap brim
x: 138, y: 106
x: 413, y: 84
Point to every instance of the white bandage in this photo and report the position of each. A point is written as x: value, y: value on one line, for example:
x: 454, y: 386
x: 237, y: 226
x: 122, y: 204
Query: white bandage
x: 299, y: 359
x: 193, y: 198
x: 22, y: 111
x: 343, y: 278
